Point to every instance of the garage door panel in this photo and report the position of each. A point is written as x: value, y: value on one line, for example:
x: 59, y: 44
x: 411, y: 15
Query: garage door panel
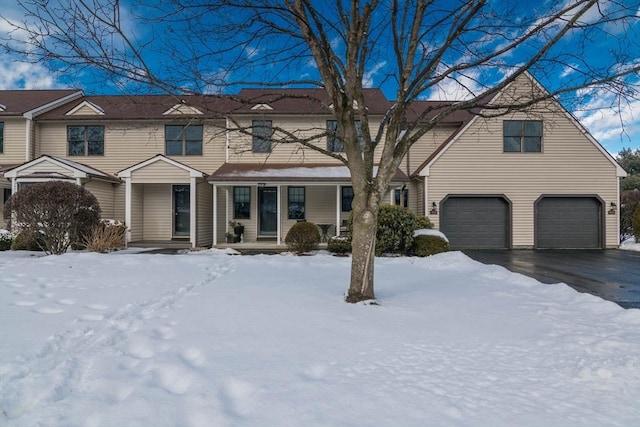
x: 568, y: 223
x: 476, y: 222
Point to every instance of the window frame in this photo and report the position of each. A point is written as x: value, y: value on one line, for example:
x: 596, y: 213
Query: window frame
x: 344, y: 197
x: 334, y: 144
x: 86, y: 141
x: 185, y: 140
x: 261, y: 142
x: 297, y: 202
x: 524, y: 136
x: 396, y: 197
x: 240, y: 211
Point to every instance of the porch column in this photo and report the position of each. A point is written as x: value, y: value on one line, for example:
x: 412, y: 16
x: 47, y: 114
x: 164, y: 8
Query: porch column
x: 127, y: 206
x: 192, y: 211
x: 279, y: 225
x: 215, y: 215
x: 338, y: 203
x: 426, y: 197
x: 226, y: 208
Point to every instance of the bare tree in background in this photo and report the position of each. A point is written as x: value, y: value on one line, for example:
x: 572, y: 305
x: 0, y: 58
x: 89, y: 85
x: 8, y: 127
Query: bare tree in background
x: 415, y: 46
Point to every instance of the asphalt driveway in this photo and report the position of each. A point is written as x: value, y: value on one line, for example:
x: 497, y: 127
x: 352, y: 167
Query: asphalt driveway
x: 610, y: 274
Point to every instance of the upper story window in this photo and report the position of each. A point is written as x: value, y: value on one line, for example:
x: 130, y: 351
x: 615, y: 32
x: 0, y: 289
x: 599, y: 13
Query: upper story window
x: 85, y: 140
x: 347, y: 198
x: 334, y: 144
x: 296, y: 202
x: 241, y: 202
x: 183, y: 140
x: 261, y: 130
x: 522, y: 136
x: 1, y: 137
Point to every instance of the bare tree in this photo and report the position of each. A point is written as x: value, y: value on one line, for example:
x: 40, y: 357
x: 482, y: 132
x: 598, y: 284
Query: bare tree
x: 415, y: 46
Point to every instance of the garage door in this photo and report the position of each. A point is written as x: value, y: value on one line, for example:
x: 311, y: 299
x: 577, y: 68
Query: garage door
x: 568, y: 222
x: 476, y: 222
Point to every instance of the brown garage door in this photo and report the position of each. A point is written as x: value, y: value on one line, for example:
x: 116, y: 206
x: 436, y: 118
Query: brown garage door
x: 568, y: 223
x: 476, y: 222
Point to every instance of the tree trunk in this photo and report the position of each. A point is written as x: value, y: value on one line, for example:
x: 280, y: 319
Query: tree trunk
x: 363, y: 254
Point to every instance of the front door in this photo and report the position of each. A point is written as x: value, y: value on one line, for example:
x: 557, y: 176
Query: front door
x: 181, y: 210
x: 268, y: 208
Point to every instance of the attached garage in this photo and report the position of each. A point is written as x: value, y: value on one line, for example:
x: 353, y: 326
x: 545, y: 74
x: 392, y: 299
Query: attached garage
x: 568, y: 222
x: 476, y: 222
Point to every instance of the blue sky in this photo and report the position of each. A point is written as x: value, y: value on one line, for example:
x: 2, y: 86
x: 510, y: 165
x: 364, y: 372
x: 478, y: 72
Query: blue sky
x: 613, y: 129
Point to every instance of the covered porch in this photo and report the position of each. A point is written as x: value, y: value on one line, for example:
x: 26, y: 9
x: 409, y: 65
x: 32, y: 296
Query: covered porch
x: 267, y: 199
x: 166, y: 204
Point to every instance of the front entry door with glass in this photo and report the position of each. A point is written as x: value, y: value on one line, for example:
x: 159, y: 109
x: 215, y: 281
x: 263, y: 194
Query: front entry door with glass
x: 267, y: 206
x: 181, y: 210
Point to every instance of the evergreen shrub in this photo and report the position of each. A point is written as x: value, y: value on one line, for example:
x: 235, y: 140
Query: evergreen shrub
x: 5, y: 240
x: 395, y: 229
x: 27, y: 241
x: 339, y: 245
x: 302, y: 237
x: 425, y: 245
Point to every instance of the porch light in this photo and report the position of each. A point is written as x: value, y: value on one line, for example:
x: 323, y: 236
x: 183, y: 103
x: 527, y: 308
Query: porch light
x: 434, y: 209
x: 612, y: 208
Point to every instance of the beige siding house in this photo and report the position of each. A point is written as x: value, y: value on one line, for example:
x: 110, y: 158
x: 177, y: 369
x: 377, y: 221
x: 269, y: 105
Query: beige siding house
x: 186, y: 170
x: 524, y: 180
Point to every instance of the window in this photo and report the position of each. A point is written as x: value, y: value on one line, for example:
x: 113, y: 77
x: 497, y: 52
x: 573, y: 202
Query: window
x: 241, y: 202
x: 296, y: 202
x: 399, y: 194
x: 85, y: 140
x: 183, y: 140
x: 1, y: 137
x: 347, y: 198
x: 261, y: 130
x: 334, y: 144
x: 522, y: 136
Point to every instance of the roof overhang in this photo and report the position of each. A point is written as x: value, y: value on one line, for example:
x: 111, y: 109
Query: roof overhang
x: 76, y: 170
x: 288, y: 174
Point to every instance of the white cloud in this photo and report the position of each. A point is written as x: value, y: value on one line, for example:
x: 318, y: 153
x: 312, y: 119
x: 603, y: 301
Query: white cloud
x: 367, y: 79
x: 21, y: 75
x: 457, y: 89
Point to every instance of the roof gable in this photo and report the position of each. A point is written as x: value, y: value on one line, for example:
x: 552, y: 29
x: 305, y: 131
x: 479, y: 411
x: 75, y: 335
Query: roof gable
x: 193, y: 173
x: 75, y: 169
x: 86, y: 108
x: 183, y: 109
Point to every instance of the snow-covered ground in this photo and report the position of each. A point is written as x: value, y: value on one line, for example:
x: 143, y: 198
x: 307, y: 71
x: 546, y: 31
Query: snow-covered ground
x: 630, y: 245
x: 208, y: 339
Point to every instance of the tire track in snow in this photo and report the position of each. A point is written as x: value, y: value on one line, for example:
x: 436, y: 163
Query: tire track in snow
x: 59, y: 368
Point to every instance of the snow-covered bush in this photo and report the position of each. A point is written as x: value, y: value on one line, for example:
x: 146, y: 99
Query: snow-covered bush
x: 339, y: 245
x: 429, y: 244
x: 5, y: 240
x: 60, y: 213
x: 303, y: 237
x: 636, y: 223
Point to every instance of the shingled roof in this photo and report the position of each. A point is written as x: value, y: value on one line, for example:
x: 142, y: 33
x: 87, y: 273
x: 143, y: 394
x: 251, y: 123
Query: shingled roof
x: 19, y: 102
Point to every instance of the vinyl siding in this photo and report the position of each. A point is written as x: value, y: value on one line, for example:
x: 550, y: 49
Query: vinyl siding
x: 568, y: 164
x: 15, y: 140
x: 47, y: 167
x: 240, y: 145
x: 129, y: 143
x: 204, y: 214
x: 104, y: 193
x: 425, y: 146
x: 119, y: 202
x: 137, y: 212
x: 158, y: 212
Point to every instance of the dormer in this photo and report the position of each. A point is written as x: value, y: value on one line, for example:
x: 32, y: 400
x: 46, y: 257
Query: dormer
x: 86, y: 108
x: 262, y: 107
x: 183, y: 109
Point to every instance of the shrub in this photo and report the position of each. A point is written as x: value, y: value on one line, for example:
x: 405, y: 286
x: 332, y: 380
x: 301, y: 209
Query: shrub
x: 422, y: 222
x: 303, y: 237
x: 425, y: 245
x: 60, y: 213
x: 636, y: 223
x: 629, y: 200
x: 27, y: 241
x: 339, y: 245
x: 395, y: 229
x: 5, y: 240
x: 106, y: 237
